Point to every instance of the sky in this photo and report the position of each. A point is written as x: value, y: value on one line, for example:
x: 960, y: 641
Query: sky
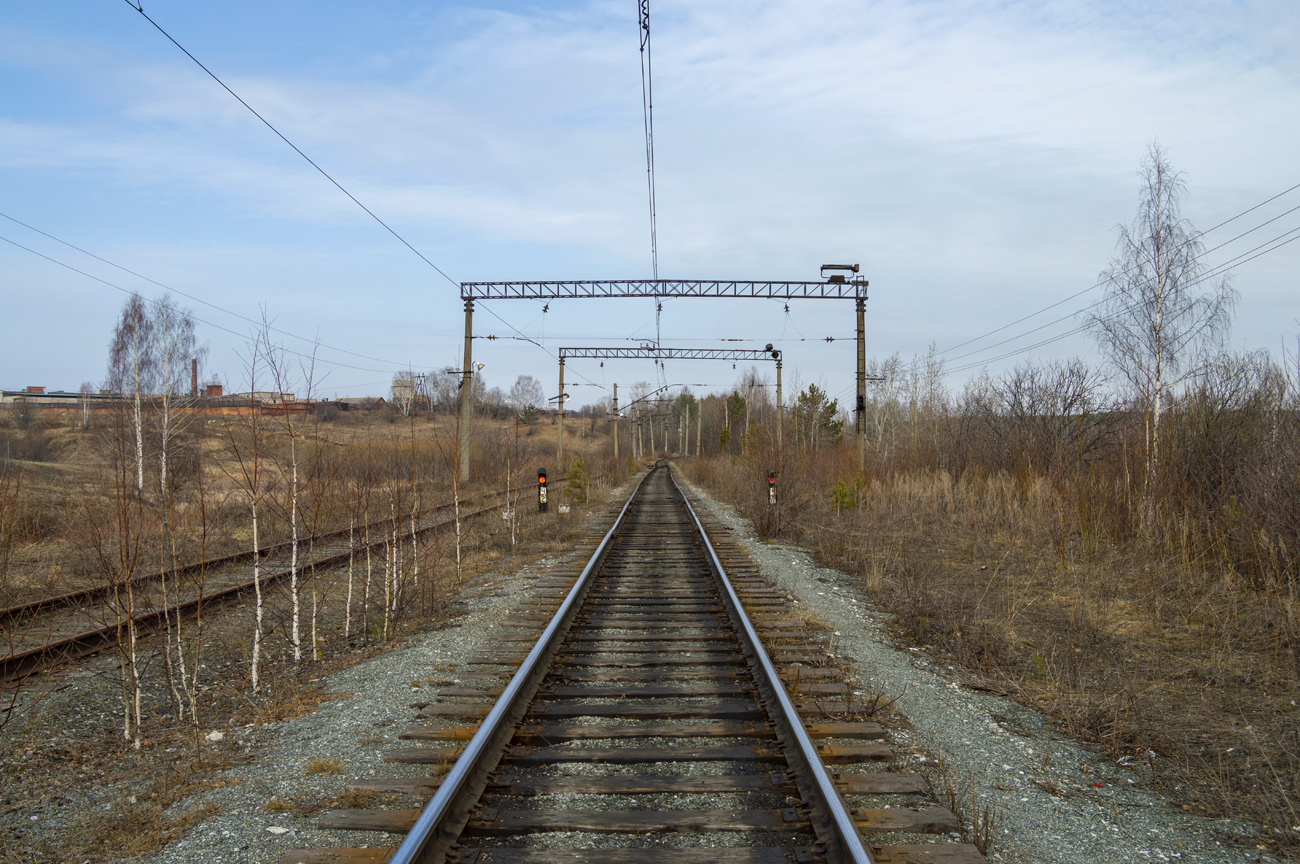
x: 975, y: 158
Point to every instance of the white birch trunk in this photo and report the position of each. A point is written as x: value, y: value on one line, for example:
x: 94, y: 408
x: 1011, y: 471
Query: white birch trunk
x: 347, y: 609
x: 388, y: 579
x: 294, y: 635
x: 257, y: 588
x: 139, y: 442
x: 415, y: 558
x: 365, y: 590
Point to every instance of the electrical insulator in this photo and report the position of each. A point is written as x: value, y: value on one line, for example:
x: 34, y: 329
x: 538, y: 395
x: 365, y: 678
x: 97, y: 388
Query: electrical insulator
x: 541, y: 491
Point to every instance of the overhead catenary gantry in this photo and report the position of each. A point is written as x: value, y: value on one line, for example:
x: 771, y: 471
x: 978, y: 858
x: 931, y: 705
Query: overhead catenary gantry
x: 660, y: 354
x: 836, y: 286
x: 843, y: 289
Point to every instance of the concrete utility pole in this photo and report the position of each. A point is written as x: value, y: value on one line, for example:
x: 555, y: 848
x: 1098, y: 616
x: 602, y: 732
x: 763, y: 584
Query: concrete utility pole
x: 778, y: 400
x: 861, y: 410
x: 616, y: 422
x: 559, y: 424
x: 699, y: 429
x: 466, y: 393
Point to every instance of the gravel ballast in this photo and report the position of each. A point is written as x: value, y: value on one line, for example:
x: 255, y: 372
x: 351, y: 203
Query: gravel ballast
x: 1096, y: 811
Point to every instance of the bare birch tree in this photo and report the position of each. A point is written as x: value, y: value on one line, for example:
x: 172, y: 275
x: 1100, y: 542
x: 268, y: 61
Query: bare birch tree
x: 175, y: 347
x: 1161, y: 313
x: 132, y: 368
x: 278, y: 367
x: 247, y: 446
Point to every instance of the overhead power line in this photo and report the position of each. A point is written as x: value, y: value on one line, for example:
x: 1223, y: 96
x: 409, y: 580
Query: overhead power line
x: 165, y: 287
x: 648, y: 112
x: 1101, y: 282
x: 212, y: 324
x: 1260, y: 250
x: 295, y: 147
x: 526, y: 338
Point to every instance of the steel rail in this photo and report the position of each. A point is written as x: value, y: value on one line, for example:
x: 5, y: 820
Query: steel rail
x: 14, y: 615
x: 846, y: 830
x: 420, y: 844
x: 45, y: 657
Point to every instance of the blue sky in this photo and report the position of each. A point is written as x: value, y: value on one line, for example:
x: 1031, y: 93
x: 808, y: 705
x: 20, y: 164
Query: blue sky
x: 975, y: 157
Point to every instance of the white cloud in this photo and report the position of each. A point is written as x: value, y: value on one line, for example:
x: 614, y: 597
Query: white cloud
x: 975, y: 156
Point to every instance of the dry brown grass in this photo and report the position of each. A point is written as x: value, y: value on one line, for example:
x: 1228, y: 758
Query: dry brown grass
x: 1135, y: 647
x: 176, y: 760
x: 978, y: 820
x: 323, y: 766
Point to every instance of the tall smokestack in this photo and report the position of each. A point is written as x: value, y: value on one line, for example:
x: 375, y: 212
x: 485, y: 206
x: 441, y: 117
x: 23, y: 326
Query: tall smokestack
x: 194, y: 377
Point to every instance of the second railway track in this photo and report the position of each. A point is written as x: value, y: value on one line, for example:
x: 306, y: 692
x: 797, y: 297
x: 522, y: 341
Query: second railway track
x: 667, y: 712
x: 45, y: 633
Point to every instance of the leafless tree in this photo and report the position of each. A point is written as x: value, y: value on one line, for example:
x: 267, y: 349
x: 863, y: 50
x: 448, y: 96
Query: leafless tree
x: 132, y: 368
x: 526, y: 392
x: 175, y: 347
x: 444, y: 386
x: 278, y: 366
x: 247, y: 447
x: 1050, y: 415
x: 1161, y: 314
x: 403, y: 391
x: 87, y: 391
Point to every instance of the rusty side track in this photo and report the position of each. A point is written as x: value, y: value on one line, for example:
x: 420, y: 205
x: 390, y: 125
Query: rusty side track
x: 652, y: 720
x: 44, y: 634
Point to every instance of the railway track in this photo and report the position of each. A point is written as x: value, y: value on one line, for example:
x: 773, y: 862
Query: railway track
x: 42, y: 634
x: 663, y: 706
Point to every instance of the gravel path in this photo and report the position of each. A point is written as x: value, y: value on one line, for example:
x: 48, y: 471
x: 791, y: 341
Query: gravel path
x: 1096, y: 811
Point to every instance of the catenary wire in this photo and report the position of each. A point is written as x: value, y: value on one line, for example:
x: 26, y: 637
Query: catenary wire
x: 129, y: 291
x: 647, y: 109
x: 1100, y: 282
x: 267, y: 123
x: 1216, y: 270
x: 210, y: 305
x: 1220, y: 269
x: 538, y: 344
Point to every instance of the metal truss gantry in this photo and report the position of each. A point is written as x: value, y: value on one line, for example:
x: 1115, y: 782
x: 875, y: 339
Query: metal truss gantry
x: 836, y: 287
x: 659, y: 353
x: 855, y: 289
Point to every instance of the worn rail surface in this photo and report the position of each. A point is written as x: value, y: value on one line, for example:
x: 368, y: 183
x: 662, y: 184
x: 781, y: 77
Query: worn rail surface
x: 45, y: 633
x: 671, y: 710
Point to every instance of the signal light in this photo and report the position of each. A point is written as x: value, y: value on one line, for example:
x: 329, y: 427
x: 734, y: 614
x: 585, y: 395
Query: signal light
x: 771, y: 488
x: 541, y: 491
